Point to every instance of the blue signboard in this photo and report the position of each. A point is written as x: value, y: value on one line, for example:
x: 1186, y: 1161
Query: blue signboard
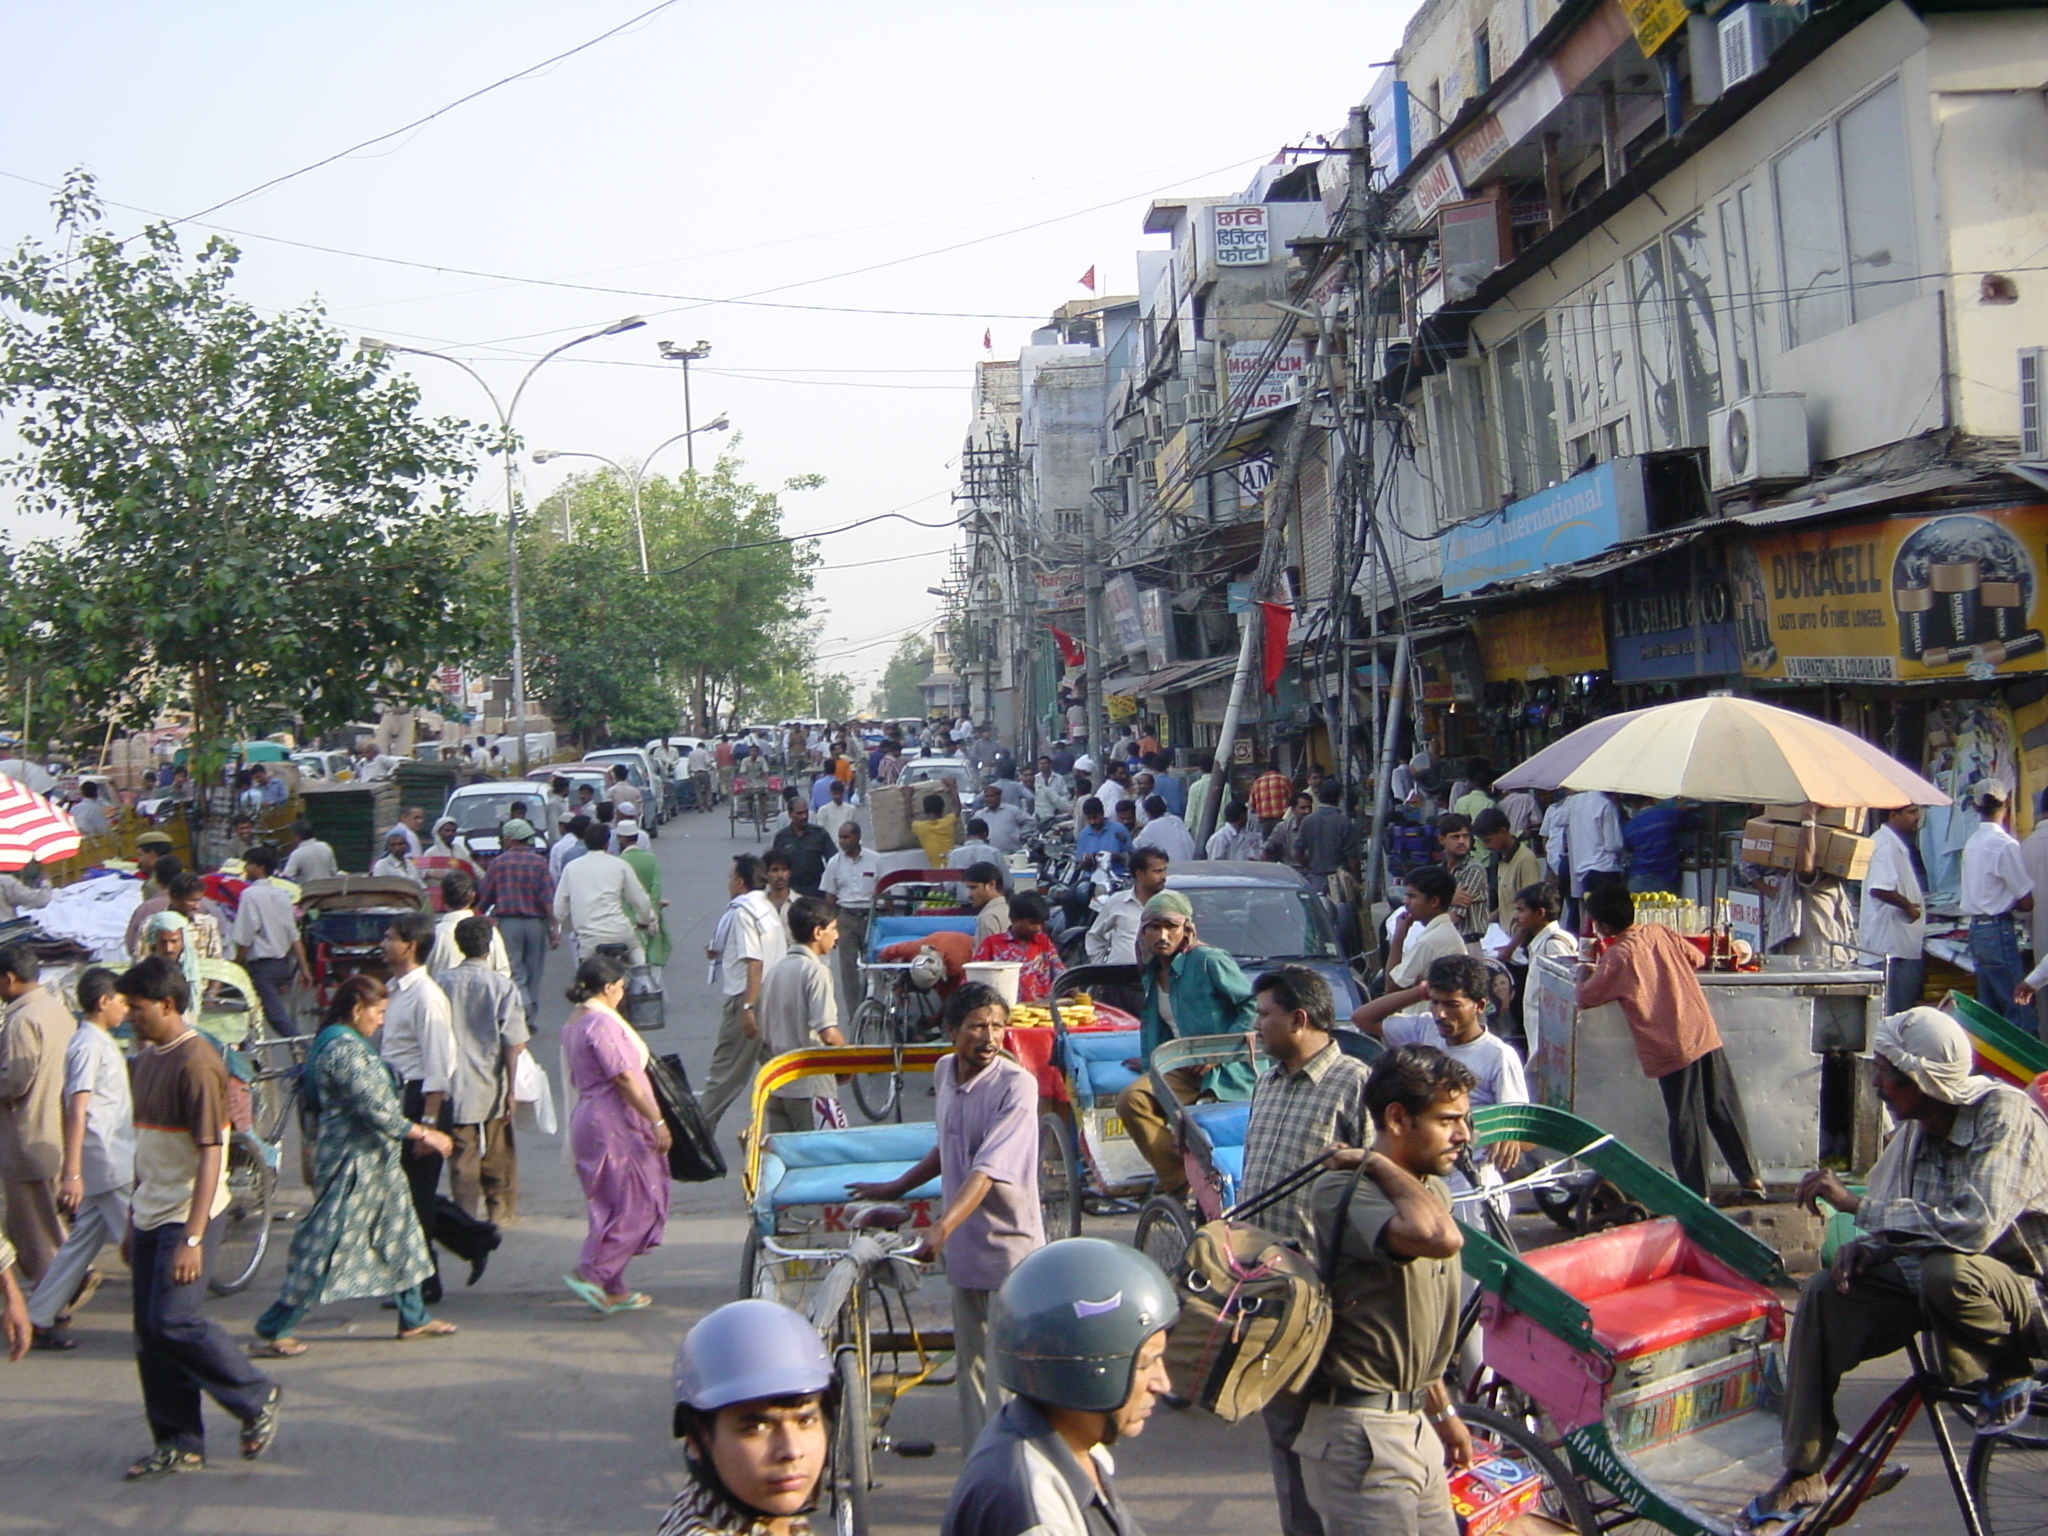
x: 1675, y: 620
x: 1572, y: 521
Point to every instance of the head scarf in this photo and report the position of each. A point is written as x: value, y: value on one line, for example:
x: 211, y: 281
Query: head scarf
x: 1170, y: 904
x: 1934, y: 1051
x: 188, y: 957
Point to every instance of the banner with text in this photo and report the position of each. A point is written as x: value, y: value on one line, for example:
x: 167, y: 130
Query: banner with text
x: 1554, y: 639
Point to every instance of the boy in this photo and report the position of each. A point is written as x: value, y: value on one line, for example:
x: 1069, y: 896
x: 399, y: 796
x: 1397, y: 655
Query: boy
x: 1028, y: 943
x: 181, y: 1132
x: 934, y: 831
x: 1536, y: 929
x: 800, y: 1009
x: 1423, y: 930
x: 985, y: 895
x: 99, y: 1157
x: 987, y: 1163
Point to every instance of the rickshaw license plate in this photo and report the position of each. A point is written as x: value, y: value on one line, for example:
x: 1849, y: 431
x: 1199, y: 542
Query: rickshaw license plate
x: 1113, y: 1127
x: 1678, y: 1405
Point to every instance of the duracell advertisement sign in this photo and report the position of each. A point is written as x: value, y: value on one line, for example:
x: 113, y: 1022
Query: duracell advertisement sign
x: 1904, y: 600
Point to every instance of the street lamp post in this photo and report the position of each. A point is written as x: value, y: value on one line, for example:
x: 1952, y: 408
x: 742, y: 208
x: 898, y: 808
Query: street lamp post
x: 636, y: 475
x: 687, y: 356
x: 506, y: 413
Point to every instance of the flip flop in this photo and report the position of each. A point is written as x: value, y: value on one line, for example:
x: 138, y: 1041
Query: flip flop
x: 432, y: 1328
x: 1755, y: 1517
x: 1998, y: 1412
x: 590, y: 1293
x: 632, y: 1303
x: 285, y: 1348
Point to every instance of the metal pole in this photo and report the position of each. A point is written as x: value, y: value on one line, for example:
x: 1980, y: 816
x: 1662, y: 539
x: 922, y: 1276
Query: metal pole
x: 639, y: 526
x: 1382, y: 794
x: 689, y: 442
x: 518, y: 617
x: 1097, y: 724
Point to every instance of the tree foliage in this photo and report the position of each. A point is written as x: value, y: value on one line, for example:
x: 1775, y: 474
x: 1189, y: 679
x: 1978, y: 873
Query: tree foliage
x: 715, y: 628
x: 262, y: 523
x: 910, y: 665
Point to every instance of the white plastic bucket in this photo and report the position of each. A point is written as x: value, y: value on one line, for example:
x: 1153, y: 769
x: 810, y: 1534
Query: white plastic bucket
x: 1003, y: 975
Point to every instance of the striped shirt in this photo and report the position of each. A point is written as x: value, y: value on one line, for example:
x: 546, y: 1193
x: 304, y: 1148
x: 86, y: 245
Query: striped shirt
x: 1294, y: 1116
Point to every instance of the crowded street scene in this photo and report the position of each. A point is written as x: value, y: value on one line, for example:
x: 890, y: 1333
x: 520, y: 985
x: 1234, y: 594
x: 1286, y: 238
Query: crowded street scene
x: 1389, y: 879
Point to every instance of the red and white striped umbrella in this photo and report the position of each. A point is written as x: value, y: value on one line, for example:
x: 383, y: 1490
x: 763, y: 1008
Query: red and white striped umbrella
x: 32, y: 830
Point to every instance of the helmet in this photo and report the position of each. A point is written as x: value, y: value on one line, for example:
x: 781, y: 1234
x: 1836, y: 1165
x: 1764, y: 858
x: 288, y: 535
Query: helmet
x: 1066, y: 1326
x: 927, y: 969
x: 748, y: 1350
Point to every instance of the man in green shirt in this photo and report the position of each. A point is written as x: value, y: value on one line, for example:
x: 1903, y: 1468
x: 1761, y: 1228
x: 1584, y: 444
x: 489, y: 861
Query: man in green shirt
x: 1191, y: 988
x: 643, y: 865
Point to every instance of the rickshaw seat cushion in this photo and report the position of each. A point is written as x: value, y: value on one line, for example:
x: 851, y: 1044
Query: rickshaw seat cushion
x: 815, y: 1167
x: 1649, y: 1287
x: 1222, y: 1124
x: 884, y: 931
x: 1095, y: 1059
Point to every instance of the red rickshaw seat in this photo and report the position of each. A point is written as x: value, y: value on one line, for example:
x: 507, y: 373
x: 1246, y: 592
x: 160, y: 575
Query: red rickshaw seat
x: 1649, y: 1287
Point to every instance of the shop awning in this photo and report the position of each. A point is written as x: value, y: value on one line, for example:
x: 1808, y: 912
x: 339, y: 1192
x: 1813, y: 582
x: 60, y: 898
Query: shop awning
x: 1586, y: 570
x: 1904, y: 488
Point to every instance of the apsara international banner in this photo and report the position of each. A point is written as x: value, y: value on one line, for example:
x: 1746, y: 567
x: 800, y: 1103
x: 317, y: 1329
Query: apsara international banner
x: 1907, y: 599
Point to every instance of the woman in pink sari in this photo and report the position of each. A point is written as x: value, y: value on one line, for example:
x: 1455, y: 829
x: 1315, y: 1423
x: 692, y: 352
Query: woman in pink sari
x: 618, y: 1136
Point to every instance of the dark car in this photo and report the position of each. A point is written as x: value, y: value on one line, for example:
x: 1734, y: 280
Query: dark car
x: 1264, y: 915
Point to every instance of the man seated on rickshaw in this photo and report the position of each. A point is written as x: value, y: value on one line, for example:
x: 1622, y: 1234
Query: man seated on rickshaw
x: 1952, y: 1237
x: 1191, y: 988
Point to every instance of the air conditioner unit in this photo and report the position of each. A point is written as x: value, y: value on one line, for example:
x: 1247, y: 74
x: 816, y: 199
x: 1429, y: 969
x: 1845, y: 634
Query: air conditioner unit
x: 1760, y: 438
x: 1750, y: 34
x: 2033, y: 429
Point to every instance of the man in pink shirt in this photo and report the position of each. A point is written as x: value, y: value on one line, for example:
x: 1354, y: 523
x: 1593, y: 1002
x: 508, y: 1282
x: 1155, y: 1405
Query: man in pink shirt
x: 1650, y: 972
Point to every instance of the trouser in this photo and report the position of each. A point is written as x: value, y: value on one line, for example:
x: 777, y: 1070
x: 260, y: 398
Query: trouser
x: 281, y: 1320
x: 1374, y: 1473
x: 1146, y: 1124
x: 272, y: 980
x: 981, y: 1396
x: 423, y: 1177
x: 34, y: 1225
x: 1904, y: 980
x: 788, y: 1115
x: 179, y: 1353
x: 1995, y: 951
x: 526, y: 946
x: 1284, y: 1416
x: 1984, y: 1317
x: 735, y: 1058
x: 1700, y: 1098
x: 853, y: 944
x: 100, y: 1219
x: 485, y: 1168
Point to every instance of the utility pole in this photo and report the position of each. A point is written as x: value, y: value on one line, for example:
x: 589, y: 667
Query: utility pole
x: 1097, y: 722
x: 686, y: 356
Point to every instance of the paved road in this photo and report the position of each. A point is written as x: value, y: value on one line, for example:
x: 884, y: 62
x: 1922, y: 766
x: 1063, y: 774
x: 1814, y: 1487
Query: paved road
x: 541, y: 1418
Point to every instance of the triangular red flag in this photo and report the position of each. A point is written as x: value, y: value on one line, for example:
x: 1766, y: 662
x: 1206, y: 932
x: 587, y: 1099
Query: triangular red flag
x: 1088, y: 279
x: 988, y: 341
x: 1071, y: 654
x: 1279, y: 618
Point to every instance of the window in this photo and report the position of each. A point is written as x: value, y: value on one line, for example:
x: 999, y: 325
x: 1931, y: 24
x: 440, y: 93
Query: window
x: 1596, y: 353
x: 1671, y: 292
x: 1528, y: 410
x: 1740, y: 257
x: 1845, y: 220
x: 1482, y: 62
x: 1068, y: 522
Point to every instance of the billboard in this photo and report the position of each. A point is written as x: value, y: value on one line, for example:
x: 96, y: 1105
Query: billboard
x: 1900, y: 600
x: 1560, y: 638
x: 1581, y: 517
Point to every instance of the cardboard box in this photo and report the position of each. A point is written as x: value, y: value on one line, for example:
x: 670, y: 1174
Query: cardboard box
x: 1845, y: 855
x: 892, y: 808
x: 1774, y: 844
x: 1848, y: 818
x: 1493, y: 1493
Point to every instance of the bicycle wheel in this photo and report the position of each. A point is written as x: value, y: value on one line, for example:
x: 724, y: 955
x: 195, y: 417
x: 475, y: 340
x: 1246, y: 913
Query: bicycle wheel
x: 2008, y: 1476
x: 877, y: 1093
x: 245, y: 1225
x: 1562, y: 1500
x: 732, y: 816
x: 1059, y: 1178
x: 1164, y: 1231
x: 852, y: 1446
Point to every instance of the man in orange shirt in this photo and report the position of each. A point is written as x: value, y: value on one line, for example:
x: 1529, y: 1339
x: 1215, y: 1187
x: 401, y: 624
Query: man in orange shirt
x: 1271, y: 793
x: 1650, y: 972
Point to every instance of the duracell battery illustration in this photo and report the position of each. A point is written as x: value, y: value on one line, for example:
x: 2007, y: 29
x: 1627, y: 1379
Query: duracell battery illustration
x: 1963, y: 588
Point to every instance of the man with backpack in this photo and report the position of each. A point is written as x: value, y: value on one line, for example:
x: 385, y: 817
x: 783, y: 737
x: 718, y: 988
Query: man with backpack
x: 1380, y: 1425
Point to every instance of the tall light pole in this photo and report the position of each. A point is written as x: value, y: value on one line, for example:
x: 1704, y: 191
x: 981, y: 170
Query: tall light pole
x: 506, y: 413
x: 686, y: 356
x: 636, y: 474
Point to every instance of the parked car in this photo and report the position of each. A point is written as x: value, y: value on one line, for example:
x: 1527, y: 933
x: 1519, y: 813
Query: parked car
x: 481, y: 809
x: 598, y: 775
x: 917, y: 769
x: 322, y: 767
x: 645, y: 778
x: 1263, y: 915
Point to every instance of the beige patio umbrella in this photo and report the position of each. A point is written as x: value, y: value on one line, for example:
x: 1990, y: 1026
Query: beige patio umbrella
x: 1727, y: 750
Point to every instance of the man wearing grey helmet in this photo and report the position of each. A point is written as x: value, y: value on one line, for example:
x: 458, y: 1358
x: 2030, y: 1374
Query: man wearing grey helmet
x: 1078, y: 1332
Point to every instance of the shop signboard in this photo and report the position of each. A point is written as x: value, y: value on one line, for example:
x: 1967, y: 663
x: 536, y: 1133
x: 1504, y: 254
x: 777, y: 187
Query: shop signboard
x: 1559, y: 638
x: 1572, y: 521
x: 1675, y: 620
x: 1254, y: 386
x: 1122, y: 592
x: 1152, y: 618
x: 1900, y: 600
x: 1655, y: 22
x: 1243, y: 236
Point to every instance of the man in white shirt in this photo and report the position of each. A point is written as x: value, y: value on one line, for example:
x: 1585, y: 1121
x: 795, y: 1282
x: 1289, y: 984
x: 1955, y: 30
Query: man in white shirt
x: 2034, y: 855
x: 977, y: 849
x: 1423, y: 930
x: 750, y: 938
x: 599, y: 900
x: 835, y: 812
x: 1051, y: 795
x: 1995, y: 888
x: 458, y: 900
x: 411, y: 821
x: 568, y: 843
x: 1592, y: 840
x: 850, y: 876
x: 1006, y: 823
x: 1236, y: 838
x: 1165, y: 831
x: 1550, y: 832
x: 265, y: 934
x: 1892, y: 929
x: 1113, y: 937
x: 418, y: 1043
x: 310, y: 858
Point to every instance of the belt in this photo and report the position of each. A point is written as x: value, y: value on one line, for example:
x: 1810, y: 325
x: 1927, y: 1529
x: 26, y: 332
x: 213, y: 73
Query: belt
x: 1385, y: 1402
x: 1992, y: 917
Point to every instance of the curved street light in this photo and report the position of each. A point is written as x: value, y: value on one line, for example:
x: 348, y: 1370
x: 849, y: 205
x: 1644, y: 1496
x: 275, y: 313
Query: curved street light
x: 636, y: 475
x: 506, y: 413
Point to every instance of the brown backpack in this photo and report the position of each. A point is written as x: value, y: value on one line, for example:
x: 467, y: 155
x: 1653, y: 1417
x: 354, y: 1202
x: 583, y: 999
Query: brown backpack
x: 1254, y: 1317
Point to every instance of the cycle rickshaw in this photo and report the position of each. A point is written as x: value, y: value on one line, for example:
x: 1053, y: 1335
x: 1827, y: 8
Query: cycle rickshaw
x: 343, y: 921
x: 895, y: 1007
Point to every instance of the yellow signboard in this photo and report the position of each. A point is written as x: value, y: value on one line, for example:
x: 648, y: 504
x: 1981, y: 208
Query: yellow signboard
x: 1655, y: 21
x: 1908, y: 599
x: 1120, y: 706
x: 1554, y: 639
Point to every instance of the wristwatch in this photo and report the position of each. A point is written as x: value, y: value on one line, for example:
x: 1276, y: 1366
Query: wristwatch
x: 193, y: 1242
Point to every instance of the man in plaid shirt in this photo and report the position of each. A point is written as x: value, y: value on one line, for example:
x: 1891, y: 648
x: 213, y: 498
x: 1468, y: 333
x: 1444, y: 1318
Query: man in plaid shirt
x: 1270, y: 794
x: 1311, y: 1099
x: 519, y: 894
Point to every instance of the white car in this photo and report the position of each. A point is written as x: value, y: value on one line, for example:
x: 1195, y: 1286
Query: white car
x: 322, y: 767
x: 644, y: 776
x: 958, y: 769
x: 481, y: 809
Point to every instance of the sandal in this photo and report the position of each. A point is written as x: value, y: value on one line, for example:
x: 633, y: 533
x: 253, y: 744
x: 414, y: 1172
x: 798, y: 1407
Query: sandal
x: 432, y: 1328
x: 1999, y: 1412
x: 257, y: 1433
x: 284, y: 1348
x: 163, y: 1461
x: 631, y: 1303
x: 590, y: 1293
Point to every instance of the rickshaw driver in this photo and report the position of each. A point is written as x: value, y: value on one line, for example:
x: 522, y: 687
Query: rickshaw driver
x: 1953, y: 1237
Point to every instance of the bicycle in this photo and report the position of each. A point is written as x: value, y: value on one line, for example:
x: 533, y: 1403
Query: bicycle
x: 893, y: 1012
x: 253, y: 1158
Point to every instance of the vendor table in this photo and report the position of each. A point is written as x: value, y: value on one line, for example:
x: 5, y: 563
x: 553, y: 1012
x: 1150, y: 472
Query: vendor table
x: 1775, y: 1026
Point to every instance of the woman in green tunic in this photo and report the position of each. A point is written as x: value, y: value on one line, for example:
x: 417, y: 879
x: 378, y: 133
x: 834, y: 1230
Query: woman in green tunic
x: 362, y: 1237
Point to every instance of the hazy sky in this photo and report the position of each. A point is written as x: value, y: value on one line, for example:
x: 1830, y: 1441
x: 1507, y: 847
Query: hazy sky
x: 711, y: 152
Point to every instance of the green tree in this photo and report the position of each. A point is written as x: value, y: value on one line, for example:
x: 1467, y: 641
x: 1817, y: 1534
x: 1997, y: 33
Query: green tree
x: 833, y: 694
x: 263, y: 522
x: 910, y: 665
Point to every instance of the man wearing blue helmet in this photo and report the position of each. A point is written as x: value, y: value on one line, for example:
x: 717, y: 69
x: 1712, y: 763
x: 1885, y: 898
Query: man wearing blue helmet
x: 1078, y: 1332
x: 753, y: 1410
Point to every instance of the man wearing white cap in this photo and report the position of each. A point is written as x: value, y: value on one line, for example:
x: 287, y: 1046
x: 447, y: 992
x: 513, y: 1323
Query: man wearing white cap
x: 1952, y: 1236
x: 1995, y: 888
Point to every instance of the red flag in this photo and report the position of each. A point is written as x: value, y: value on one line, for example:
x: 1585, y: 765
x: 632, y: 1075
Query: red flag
x: 1088, y: 279
x: 1279, y: 618
x: 1071, y: 654
x: 988, y: 341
